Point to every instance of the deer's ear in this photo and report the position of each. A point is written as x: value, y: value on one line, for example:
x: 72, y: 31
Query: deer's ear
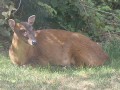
x: 31, y: 19
x: 11, y: 23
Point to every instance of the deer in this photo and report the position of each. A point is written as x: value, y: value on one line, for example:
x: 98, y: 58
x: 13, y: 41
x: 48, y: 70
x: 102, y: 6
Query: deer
x: 52, y: 47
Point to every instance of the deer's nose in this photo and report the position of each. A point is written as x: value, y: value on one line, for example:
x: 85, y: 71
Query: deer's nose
x: 34, y: 42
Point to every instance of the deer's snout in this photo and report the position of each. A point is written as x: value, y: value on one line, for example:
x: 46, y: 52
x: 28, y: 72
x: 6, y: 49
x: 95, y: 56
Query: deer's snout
x: 34, y: 42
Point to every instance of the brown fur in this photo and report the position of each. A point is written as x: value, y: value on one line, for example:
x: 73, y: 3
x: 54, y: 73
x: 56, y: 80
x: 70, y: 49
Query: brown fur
x: 57, y: 47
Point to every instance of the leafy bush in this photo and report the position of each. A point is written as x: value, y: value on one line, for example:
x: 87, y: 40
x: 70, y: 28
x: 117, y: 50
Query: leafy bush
x: 91, y: 17
x: 6, y: 7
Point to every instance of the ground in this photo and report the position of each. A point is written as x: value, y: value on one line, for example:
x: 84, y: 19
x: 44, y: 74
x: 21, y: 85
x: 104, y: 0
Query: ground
x: 106, y: 77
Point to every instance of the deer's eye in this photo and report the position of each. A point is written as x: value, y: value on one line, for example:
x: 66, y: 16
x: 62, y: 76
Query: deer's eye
x: 21, y: 31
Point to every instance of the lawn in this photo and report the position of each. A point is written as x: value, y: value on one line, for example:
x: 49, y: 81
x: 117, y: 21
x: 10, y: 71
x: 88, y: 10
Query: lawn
x: 106, y: 77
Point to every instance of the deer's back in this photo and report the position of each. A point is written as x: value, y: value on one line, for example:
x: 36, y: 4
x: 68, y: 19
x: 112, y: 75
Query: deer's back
x: 59, y: 46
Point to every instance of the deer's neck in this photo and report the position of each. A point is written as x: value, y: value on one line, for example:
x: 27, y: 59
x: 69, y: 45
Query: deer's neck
x: 21, y: 51
x: 21, y: 48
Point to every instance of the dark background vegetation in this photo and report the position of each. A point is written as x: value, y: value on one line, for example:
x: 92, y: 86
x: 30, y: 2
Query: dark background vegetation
x: 98, y: 19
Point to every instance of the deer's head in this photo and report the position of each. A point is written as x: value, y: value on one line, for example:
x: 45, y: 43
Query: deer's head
x: 24, y: 30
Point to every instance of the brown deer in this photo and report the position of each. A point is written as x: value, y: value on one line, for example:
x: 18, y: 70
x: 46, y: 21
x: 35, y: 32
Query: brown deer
x: 51, y: 46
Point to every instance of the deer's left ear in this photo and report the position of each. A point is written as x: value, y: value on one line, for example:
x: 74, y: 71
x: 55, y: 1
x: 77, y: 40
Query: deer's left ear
x: 31, y: 19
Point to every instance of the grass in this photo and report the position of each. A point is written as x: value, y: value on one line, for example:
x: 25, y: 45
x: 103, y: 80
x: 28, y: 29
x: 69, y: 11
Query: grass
x: 106, y: 77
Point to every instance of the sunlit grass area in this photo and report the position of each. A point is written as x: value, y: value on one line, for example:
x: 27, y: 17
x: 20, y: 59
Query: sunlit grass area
x: 106, y: 77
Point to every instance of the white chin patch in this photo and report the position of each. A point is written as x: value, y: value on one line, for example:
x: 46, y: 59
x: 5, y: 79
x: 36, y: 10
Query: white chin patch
x: 30, y: 42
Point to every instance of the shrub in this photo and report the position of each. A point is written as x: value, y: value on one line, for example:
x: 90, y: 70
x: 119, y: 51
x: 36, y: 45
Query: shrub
x: 91, y: 17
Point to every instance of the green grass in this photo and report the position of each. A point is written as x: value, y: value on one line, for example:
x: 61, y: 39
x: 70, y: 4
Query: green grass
x: 106, y: 77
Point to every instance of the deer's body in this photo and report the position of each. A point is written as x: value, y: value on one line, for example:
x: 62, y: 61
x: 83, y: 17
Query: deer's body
x: 55, y: 47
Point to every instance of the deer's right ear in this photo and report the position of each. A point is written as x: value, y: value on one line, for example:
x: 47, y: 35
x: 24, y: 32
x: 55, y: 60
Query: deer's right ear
x: 11, y: 23
x: 31, y: 19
